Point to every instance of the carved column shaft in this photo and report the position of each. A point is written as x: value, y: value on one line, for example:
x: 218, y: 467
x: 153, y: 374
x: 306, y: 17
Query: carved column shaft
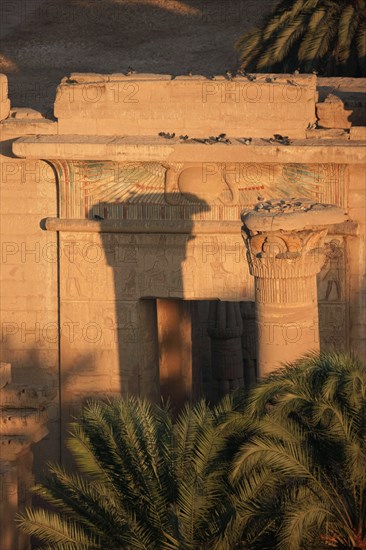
x: 225, y: 327
x: 285, y: 253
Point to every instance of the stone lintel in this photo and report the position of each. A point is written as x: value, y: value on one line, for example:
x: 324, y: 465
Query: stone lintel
x: 171, y: 227
x: 158, y: 149
x: 137, y: 103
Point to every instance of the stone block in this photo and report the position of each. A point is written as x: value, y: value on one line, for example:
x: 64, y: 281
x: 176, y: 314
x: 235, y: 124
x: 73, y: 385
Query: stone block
x: 148, y: 104
x: 328, y: 133
x: 332, y: 114
x: 357, y: 133
x: 5, y: 375
x: 25, y: 113
x: 4, y: 101
x: 27, y: 126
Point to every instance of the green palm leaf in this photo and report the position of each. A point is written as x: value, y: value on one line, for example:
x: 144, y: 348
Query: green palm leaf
x: 307, y: 33
x: 51, y: 528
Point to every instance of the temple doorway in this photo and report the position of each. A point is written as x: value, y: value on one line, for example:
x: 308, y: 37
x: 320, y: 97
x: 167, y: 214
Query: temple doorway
x: 206, y: 348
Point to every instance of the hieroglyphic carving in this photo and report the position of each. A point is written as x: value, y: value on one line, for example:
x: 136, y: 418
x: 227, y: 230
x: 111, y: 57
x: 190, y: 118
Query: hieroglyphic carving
x: 333, y: 327
x: 332, y: 296
x: 123, y: 266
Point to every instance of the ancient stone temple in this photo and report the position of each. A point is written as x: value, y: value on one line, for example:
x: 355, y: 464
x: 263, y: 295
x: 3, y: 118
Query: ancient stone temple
x: 122, y: 221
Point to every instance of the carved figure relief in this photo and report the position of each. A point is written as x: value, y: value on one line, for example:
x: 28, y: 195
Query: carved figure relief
x: 332, y: 270
x: 72, y: 261
x: 130, y: 251
x: 156, y: 275
x: 130, y: 283
x: 332, y: 295
x: 124, y: 325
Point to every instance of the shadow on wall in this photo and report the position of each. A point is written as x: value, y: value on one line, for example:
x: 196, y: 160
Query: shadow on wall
x: 148, y: 266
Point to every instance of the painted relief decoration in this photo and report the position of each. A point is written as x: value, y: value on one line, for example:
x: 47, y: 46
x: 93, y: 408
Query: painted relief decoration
x: 206, y: 191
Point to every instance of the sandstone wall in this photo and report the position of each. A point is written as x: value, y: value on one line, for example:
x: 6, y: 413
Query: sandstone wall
x: 28, y: 280
x: 70, y: 308
x: 149, y: 104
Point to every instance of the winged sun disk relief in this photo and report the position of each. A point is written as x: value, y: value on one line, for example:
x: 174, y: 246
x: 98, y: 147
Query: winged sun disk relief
x: 177, y: 184
x: 183, y: 181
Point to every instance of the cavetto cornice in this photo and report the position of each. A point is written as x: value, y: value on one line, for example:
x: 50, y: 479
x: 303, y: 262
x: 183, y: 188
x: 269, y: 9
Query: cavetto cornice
x: 158, y: 149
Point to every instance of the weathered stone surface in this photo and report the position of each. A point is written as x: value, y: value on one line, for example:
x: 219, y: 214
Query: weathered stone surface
x: 27, y: 126
x: 332, y: 114
x: 149, y: 104
x: 20, y: 113
x: 155, y: 149
x: 144, y: 217
x: 295, y: 213
x: 4, y: 100
x: 5, y: 374
x: 352, y: 91
x: 328, y: 133
x: 21, y: 425
x: 285, y: 257
x: 358, y: 133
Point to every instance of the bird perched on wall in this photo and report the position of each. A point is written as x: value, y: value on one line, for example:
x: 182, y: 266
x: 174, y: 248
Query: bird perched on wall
x: 166, y: 135
x: 241, y: 72
x: 229, y: 74
x: 251, y: 77
x: 284, y: 140
x: 270, y: 78
x: 314, y: 71
x: 202, y: 140
x: 97, y: 217
x: 246, y: 141
x: 190, y: 73
x: 221, y: 138
x: 130, y: 71
x: 296, y: 72
x: 184, y: 138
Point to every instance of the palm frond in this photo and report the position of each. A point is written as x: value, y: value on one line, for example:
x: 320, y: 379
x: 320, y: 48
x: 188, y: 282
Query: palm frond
x: 307, y: 33
x: 51, y: 528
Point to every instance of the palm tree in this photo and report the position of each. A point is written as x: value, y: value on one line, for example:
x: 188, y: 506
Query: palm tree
x: 282, y: 468
x: 144, y: 483
x: 306, y: 458
x: 327, y: 35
